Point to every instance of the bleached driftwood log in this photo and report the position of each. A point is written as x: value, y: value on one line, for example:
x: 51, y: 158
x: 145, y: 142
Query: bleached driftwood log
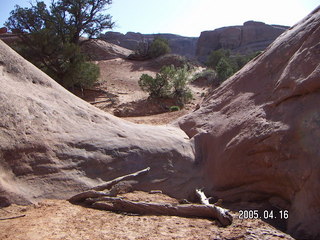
x: 107, y: 201
x: 181, y: 210
x: 221, y: 214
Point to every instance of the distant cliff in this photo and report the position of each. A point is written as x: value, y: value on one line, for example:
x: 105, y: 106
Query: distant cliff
x: 185, y: 46
x: 252, y: 36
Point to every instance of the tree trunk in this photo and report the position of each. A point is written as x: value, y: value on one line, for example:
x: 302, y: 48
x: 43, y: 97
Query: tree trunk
x: 181, y: 210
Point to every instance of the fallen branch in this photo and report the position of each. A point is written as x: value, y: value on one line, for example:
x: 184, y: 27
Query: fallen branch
x: 144, y: 208
x: 109, y: 184
x: 102, y: 101
x: 221, y: 214
x: 14, y: 217
x: 87, y: 194
x: 108, y: 201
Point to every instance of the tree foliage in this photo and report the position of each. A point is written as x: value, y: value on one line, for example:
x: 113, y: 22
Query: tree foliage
x: 51, y: 37
x: 170, y: 82
x: 225, y: 64
x: 159, y: 47
x: 148, y: 50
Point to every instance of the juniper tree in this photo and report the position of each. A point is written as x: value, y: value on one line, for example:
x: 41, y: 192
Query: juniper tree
x: 51, y: 37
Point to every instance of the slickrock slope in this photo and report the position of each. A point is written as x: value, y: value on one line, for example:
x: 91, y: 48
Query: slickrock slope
x: 258, y: 135
x: 252, y: 36
x: 53, y: 144
x: 101, y: 50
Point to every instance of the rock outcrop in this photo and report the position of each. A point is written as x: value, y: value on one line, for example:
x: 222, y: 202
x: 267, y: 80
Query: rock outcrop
x: 185, y: 46
x: 252, y: 36
x: 53, y: 144
x: 257, y: 136
x: 99, y: 50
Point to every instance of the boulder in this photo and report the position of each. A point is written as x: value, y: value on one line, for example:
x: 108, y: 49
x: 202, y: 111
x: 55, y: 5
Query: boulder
x: 252, y: 36
x: 99, y: 50
x: 53, y: 144
x: 257, y: 136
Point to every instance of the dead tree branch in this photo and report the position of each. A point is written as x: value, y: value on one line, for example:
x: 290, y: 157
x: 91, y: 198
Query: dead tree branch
x: 14, y: 217
x: 145, y: 208
x: 109, y: 184
x: 221, y: 214
x: 107, y: 200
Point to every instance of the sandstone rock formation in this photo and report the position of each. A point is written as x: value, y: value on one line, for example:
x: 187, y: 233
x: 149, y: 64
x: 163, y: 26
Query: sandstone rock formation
x: 257, y: 136
x: 255, y: 140
x: 53, y: 144
x: 252, y: 36
x: 185, y: 46
x: 99, y: 50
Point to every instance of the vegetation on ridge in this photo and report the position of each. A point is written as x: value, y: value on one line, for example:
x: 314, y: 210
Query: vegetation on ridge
x: 148, y: 50
x: 51, y: 37
x: 225, y: 64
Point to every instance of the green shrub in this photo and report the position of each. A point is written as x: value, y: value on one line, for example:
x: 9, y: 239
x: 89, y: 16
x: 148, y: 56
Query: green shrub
x: 225, y: 64
x: 216, y: 56
x: 169, y: 82
x: 180, y: 90
x: 208, y: 74
x: 174, y: 108
x: 159, y: 47
x: 81, y: 74
x: 224, y: 69
x: 160, y: 85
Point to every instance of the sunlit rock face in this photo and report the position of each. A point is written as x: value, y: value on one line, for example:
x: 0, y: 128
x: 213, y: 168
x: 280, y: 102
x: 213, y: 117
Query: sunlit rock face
x: 98, y: 50
x: 246, y: 39
x: 53, y: 144
x: 258, y: 135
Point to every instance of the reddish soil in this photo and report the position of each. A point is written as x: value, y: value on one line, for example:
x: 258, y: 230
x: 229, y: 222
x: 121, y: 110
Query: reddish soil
x: 118, y: 93
x: 58, y: 219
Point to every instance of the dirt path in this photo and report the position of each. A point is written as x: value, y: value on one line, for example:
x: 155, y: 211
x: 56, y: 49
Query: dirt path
x: 121, y: 95
x: 58, y: 219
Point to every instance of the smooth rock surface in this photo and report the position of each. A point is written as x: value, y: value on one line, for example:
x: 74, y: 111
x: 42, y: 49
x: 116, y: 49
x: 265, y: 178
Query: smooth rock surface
x: 53, y: 144
x: 257, y: 136
x: 99, y: 50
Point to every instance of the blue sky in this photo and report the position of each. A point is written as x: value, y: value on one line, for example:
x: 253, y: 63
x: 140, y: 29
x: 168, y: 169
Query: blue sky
x: 190, y: 17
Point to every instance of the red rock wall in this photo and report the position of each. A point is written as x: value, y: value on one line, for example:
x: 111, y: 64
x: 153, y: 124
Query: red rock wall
x: 258, y: 135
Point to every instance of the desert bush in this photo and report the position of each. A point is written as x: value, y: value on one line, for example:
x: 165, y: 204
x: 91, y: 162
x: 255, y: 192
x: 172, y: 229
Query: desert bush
x: 159, y: 86
x: 224, y: 69
x: 209, y: 75
x: 225, y: 64
x: 174, y: 108
x: 180, y: 90
x: 159, y: 47
x: 216, y: 56
x: 177, y: 61
x: 147, y: 50
x: 169, y: 82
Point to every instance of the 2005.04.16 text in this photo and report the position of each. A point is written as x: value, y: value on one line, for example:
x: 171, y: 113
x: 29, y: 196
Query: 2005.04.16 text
x: 266, y: 214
